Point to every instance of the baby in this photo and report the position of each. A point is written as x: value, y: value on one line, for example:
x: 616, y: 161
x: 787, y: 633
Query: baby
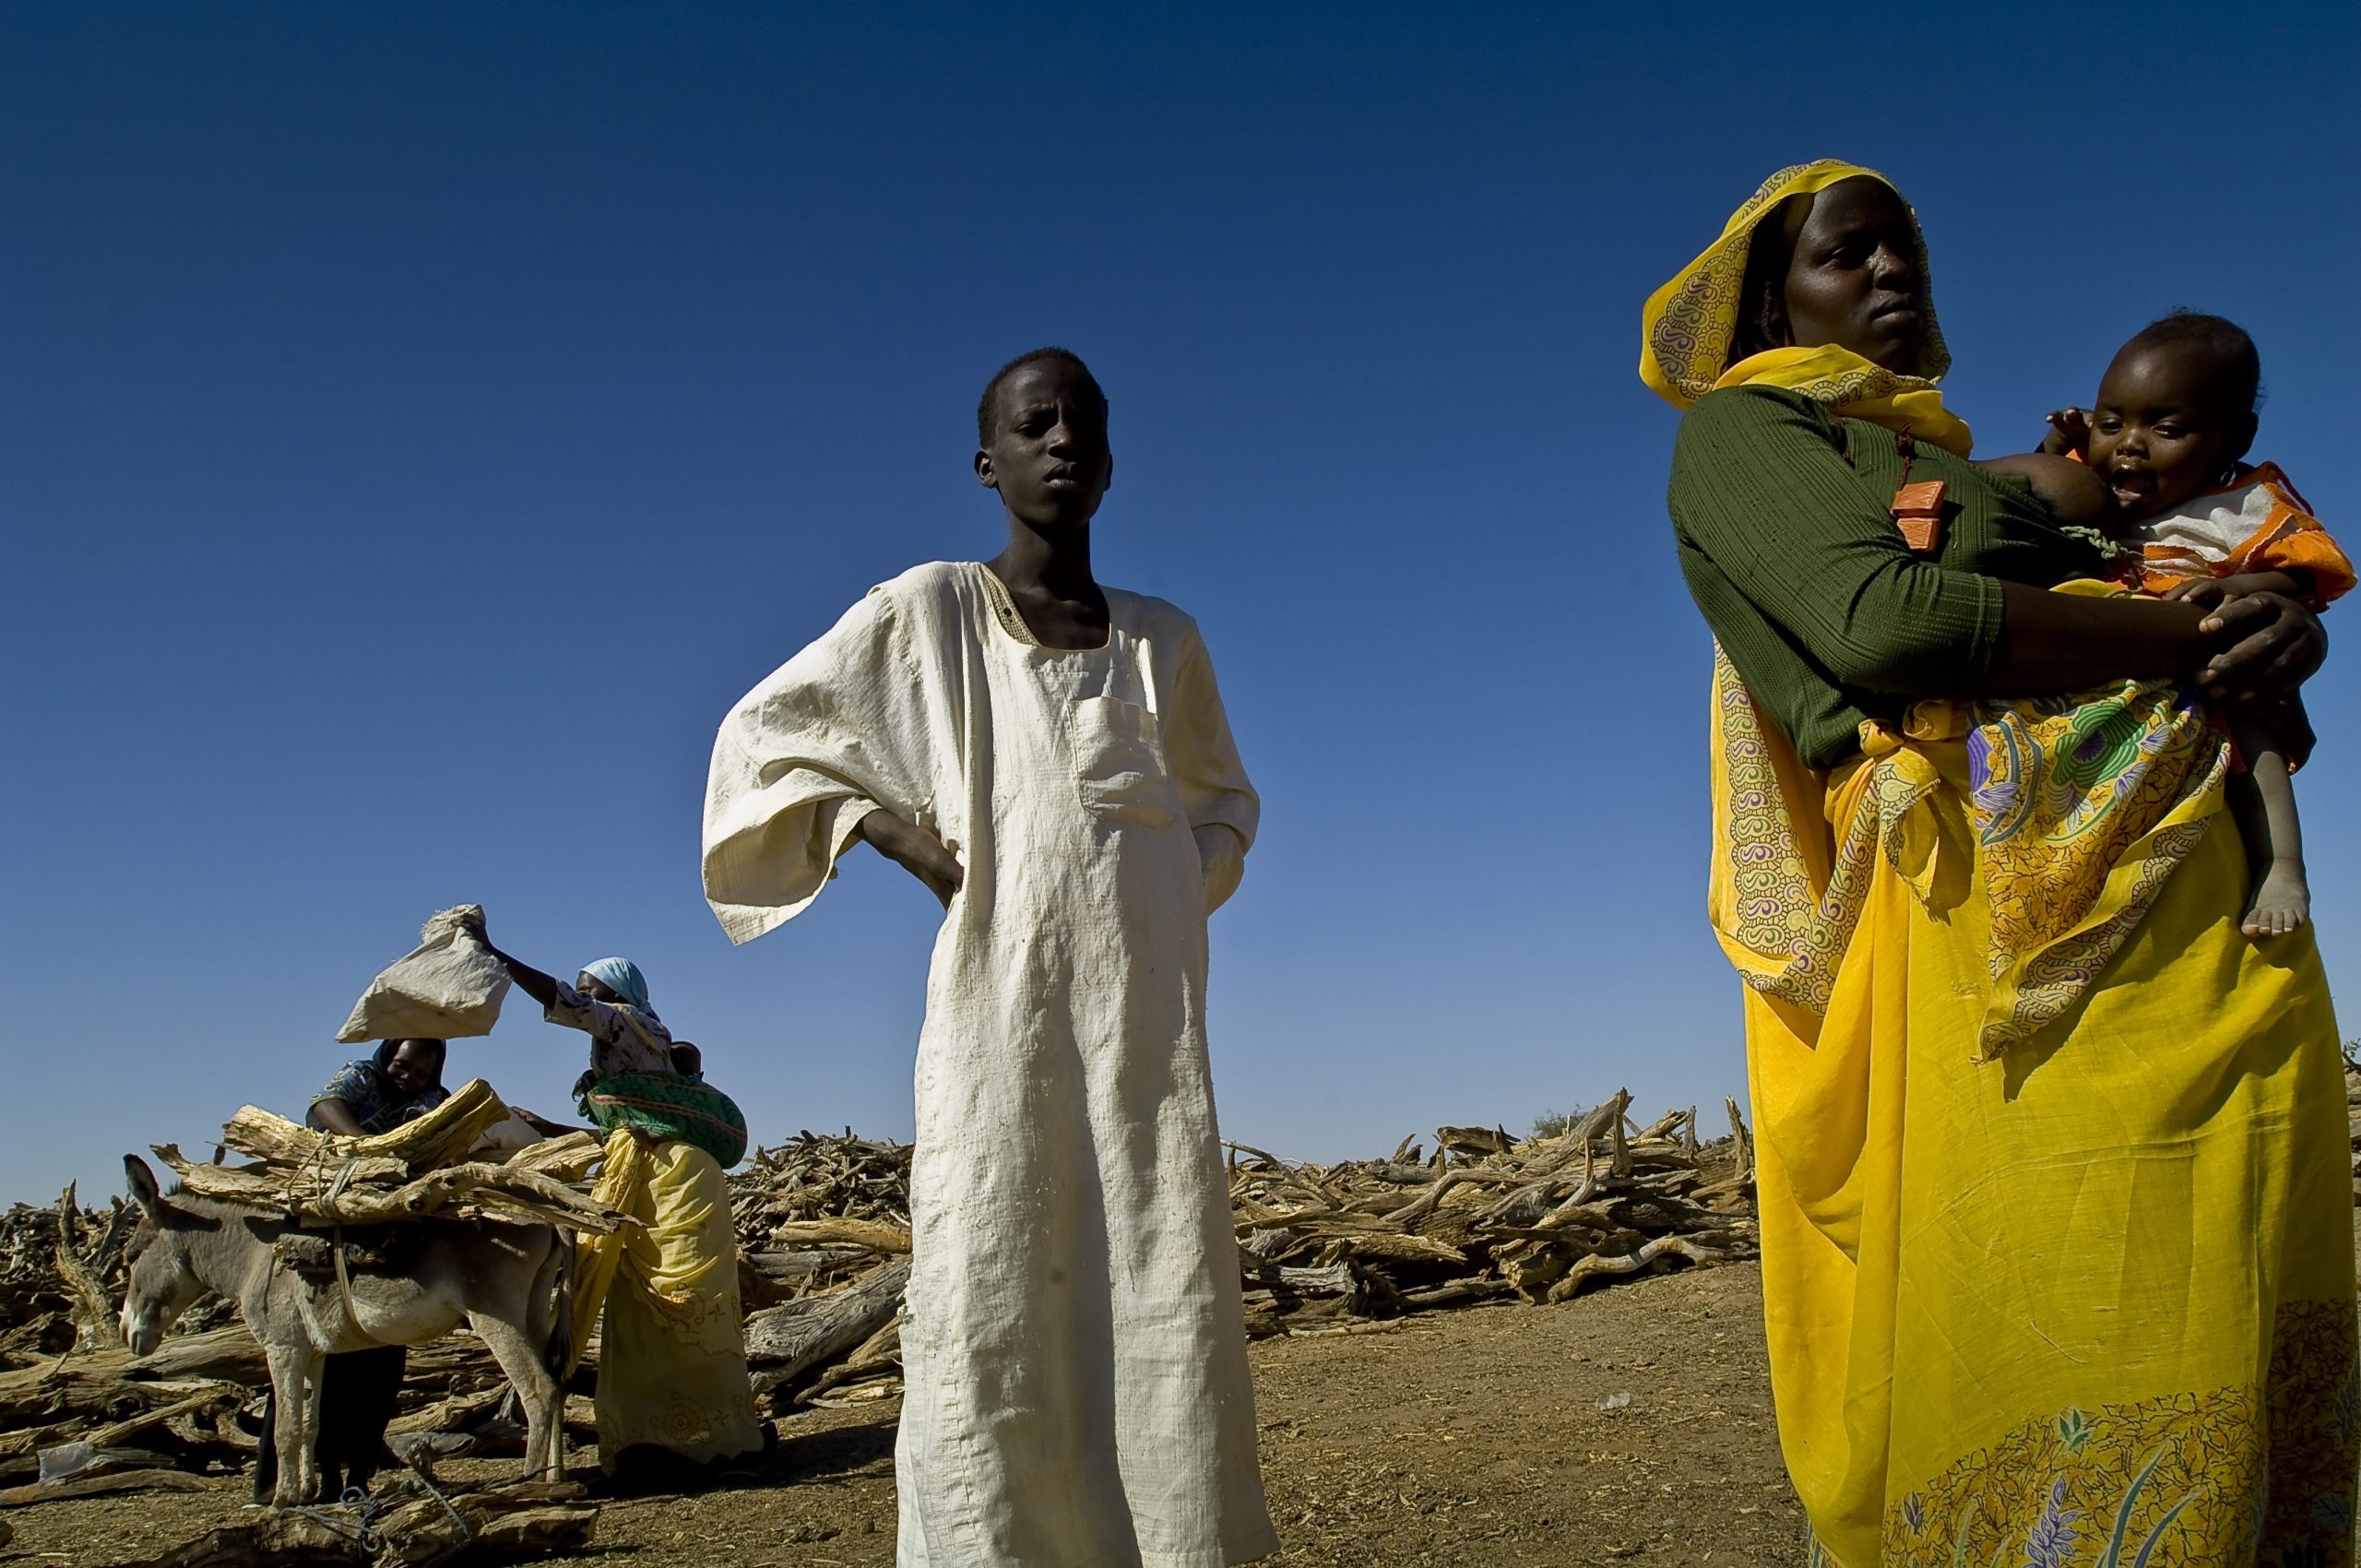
x: 2159, y: 465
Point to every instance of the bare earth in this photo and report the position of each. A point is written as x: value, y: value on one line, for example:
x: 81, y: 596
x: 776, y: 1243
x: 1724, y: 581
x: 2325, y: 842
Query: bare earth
x: 1468, y: 1437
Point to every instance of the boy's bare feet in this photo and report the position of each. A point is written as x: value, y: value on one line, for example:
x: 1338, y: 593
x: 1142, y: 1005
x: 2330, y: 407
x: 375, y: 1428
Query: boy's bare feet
x: 2282, y: 903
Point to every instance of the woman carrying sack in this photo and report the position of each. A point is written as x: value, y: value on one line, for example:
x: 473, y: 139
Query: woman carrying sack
x: 676, y: 1407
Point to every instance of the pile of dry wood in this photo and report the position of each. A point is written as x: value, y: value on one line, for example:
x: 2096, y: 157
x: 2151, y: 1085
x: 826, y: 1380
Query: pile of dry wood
x: 1488, y: 1216
x: 823, y: 1223
x: 825, y: 1237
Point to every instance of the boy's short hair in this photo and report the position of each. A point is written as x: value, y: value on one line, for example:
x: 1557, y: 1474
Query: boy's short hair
x: 987, y: 405
x: 2223, y: 339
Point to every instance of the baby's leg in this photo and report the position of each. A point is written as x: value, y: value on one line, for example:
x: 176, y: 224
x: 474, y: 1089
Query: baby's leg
x: 2262, y: 799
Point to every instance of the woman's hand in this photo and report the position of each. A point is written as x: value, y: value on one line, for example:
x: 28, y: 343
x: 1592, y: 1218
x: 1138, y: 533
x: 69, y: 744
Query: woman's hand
x: 541, y: 988
x: 335, y: 1116
x: 2269, y: 646
x: 915, y: 850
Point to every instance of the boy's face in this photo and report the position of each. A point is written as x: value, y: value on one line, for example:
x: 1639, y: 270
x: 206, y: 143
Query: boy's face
x: 2163, y: 432
x: 1049, y: 456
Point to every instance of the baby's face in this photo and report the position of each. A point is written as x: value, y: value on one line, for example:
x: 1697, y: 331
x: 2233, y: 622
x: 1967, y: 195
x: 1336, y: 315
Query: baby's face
x: 2163, y: 431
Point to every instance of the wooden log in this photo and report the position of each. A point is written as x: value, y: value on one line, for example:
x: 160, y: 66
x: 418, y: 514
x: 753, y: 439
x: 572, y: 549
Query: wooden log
x: 98, y: 1486
x: 490, y: 1528
x: 568, y: 1158
x: 278, y: 1540
x: 1403, y: 1249
x: 1654, y: 1255
x: 94, y: 1318
x: 797, y: 1264
x: 790, y: 1342
x: 1474, y: 1140
x: 459, y: 1412
x: 31, y: 1440
x: 1334, y: 1280
x: 442, y: 1136
x: 881, y: 1352
x: 843, y: 1232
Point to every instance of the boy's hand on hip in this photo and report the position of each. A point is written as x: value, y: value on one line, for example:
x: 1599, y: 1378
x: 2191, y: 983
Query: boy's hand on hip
x: 916, y: 851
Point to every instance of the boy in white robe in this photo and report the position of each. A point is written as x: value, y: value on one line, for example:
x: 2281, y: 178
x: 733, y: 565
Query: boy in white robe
x: 1051, y: 759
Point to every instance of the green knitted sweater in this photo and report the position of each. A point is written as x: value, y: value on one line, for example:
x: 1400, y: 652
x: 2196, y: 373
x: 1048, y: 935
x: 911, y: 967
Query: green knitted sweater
x: 1781, y: 512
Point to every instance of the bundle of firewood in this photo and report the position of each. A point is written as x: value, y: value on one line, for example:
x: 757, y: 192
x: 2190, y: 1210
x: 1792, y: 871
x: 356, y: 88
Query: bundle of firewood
x: 428, y: 1168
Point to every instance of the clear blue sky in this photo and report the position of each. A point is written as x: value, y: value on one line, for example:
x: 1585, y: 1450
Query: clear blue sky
x: 419, y: 424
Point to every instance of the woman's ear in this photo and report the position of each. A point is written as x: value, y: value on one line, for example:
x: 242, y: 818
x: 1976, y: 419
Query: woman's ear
x: 1770, y: 316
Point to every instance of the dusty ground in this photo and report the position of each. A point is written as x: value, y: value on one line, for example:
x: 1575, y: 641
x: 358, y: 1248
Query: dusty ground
x: 1471, y: 1437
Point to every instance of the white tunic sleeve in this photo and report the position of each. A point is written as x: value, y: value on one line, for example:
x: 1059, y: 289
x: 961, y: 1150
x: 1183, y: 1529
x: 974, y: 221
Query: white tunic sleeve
x: 1221, y: 806
x: 836, y: 732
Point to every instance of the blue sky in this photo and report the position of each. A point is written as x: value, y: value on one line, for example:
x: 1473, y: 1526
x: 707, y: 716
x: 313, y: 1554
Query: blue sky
x: 417, y: 425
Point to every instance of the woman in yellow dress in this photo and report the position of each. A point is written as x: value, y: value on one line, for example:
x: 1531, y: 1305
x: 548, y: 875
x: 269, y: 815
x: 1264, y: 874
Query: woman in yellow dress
x: 676, y: 1404
x: 2057, y: 1221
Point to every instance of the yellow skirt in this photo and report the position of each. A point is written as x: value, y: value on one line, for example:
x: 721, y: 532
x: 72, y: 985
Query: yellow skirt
x: 672, y: 1350
x: 2089, y: 1301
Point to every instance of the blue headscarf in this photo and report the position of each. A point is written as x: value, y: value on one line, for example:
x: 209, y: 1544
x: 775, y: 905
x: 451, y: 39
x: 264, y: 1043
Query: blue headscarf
x: 621, y: 977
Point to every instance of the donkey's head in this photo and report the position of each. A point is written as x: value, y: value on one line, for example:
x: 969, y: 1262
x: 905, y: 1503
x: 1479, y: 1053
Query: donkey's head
x: 163, y: 1272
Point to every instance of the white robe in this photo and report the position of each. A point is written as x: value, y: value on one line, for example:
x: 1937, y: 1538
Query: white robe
x: 1074, y: 1354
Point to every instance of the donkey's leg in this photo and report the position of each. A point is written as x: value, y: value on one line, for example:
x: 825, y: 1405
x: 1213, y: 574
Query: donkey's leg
x: 267, y: 1448
x: 520, y: 1356
x: 294, y: 1380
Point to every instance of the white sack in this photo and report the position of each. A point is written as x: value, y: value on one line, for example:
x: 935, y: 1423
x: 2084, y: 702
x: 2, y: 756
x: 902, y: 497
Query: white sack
x: 448, y: 986
x: 507, y: 1138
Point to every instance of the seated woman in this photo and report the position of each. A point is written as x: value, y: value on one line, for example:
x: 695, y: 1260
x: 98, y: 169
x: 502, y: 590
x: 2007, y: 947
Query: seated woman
x: 400, y: 1081
x: 676, y: 1406
x: 2083, y: 1204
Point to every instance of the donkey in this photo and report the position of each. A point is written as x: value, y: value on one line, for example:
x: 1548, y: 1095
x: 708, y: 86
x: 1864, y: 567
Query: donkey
x: 506, y: 1280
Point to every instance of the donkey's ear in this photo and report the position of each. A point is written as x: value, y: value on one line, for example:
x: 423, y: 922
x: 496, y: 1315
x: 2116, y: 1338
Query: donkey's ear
x: 142, y: 1184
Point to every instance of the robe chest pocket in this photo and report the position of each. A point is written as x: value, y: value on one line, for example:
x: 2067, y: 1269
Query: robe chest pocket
x: 1118, y: 764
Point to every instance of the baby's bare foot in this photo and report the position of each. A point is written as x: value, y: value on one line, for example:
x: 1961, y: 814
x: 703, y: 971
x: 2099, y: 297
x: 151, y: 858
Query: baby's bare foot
x: 2282, y: 903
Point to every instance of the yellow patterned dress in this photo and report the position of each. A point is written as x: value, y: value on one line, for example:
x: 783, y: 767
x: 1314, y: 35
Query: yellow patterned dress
x: 672, y: 1344
x: 2110, y: 1270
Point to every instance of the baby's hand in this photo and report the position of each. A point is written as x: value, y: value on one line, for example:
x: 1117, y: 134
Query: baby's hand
x: 2206, y: 593
x: 2069, y: 434
x: 2211, y: 593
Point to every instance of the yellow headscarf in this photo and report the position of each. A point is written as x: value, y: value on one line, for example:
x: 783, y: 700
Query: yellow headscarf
x: 1689, y: 325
